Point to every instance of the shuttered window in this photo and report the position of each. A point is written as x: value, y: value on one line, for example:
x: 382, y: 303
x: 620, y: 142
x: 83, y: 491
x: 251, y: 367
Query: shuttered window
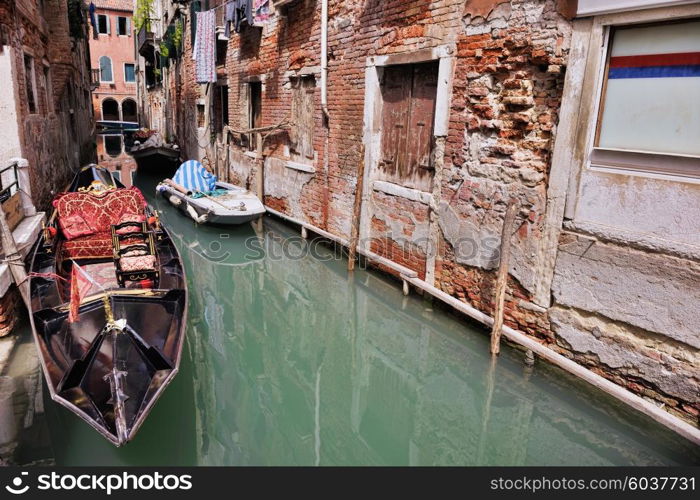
x: 301, y: 133
x: 106, y: 70
x: 408, y: 113
x: 103, y: 24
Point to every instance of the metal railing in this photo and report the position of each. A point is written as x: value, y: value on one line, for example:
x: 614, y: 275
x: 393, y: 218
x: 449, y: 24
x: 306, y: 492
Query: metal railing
x: 94, y: 78
x: 145, y: 36
x: 6, y: 192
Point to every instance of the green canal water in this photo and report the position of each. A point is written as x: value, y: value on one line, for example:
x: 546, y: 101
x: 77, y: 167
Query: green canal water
x: 291, y: 361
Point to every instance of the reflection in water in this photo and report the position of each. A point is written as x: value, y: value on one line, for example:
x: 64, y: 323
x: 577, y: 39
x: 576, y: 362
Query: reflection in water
x: 291, y: 361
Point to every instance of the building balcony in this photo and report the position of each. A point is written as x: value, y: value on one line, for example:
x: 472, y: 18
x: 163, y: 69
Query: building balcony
x: 94, y: 79
x: 145, y: 40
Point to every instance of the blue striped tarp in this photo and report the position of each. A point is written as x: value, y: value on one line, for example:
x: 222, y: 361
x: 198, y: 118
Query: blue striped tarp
x: 194, y: 177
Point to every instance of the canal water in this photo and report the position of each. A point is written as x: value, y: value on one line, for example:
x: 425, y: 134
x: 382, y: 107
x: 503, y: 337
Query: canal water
x: 291, y: 361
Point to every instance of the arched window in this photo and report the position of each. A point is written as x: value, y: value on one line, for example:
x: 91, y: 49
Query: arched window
x: 113, y: 145
x: 106, y: 69
x: 129, y: 113
x: 110, y: 110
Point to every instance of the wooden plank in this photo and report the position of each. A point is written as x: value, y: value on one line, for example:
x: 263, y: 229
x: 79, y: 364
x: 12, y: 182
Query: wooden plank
x: 396, y: 94
x: 356, y: 211
x: 502, y: 279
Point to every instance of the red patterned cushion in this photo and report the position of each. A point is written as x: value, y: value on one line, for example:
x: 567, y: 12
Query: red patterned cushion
x: 140, y: 263
x: 94, y: 246
x: 137, y: 219
x: 75, y: 226
x: 101, y: 210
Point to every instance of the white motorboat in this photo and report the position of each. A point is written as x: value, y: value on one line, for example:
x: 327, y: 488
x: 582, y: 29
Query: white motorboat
x: 206, y: 200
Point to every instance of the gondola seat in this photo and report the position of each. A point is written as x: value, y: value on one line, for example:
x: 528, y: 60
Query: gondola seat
x: 134, y: 253
x: 86, y: 220
x: 92, y: 246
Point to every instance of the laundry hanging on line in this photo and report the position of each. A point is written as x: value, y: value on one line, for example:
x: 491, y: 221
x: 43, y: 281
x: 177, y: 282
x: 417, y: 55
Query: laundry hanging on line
x: 261, y: 12
x: 204, y: 50
x: 93, y: 19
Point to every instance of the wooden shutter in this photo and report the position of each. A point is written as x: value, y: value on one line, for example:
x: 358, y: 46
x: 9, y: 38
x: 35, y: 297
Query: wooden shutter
x: 396, y: 92
x: 302, y: 130
x: 408, y: 115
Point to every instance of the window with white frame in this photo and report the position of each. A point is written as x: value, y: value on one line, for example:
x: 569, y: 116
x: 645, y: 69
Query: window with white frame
x: 649, y: 116
x: 103, y: 24
x: 30, y: 83
x: 123, y: 26
x: 129, y: 73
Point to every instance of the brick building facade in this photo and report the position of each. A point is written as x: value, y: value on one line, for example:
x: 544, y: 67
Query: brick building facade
x: 114, y: 98
x: 48, y: 127
x: 46, y: 69
x: 456, y: 109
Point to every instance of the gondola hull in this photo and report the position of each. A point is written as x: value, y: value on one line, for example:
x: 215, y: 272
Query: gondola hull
x: 111, y: 365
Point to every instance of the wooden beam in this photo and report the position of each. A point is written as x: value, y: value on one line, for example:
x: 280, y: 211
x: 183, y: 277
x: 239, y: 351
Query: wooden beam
x: 502, y: 277
x: 355, y: 233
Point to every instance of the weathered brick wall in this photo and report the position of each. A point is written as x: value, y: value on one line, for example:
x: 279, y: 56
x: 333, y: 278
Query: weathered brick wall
x: 510, y: 60
x: 56, y: 139
x: 507, y: 92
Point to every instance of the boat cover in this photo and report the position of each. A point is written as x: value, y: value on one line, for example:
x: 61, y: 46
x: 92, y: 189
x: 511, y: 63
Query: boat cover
x: 194, y: 177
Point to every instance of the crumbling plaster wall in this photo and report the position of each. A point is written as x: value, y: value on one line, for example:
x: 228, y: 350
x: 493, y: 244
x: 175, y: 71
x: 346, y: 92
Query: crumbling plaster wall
x: 620, y: 298
x: 626, y: 284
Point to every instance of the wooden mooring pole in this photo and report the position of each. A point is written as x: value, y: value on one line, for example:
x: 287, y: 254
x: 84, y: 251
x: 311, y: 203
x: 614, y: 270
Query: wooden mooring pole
x: 260, y: 160
x: 502, y: 277
x: 357, y: 211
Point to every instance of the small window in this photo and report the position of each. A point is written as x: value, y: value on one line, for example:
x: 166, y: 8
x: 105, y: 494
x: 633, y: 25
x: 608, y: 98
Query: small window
x: 48, y: 89
x: 106, y: 70
x: 129, y: 73
x: 221, y: 49
x: 123, y: 26
x: 649, y: 115
x: 30, y: 83
x: 254, y: 111
x: 301, y: 134
x: 201, y: 122
x: 113, y: 145
x: 221, y: 107
x: 103, y: 24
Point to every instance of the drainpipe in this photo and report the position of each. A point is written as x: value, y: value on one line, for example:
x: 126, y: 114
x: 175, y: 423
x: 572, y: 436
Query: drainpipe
x: 324, y: 59
x: 324, y: 104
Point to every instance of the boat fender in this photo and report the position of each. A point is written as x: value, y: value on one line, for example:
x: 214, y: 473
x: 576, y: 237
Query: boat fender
x: 197, y: 218
x: 175, y: 200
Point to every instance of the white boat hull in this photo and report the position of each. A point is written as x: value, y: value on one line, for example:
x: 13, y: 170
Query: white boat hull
x: 238, y: 206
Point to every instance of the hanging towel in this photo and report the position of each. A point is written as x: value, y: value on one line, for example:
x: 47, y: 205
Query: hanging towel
x: 93, y: 19
x: 229, y: 16
x: 243, y: 13
x: 194, y: 177
x: 205, y: 43
x: 261, y: 12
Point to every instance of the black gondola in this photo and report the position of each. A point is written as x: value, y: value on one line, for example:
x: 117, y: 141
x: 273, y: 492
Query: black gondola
x: 110, y: 366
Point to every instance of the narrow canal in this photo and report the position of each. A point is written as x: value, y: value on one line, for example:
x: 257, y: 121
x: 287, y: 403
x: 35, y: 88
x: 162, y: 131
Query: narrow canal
x: 291, y: 361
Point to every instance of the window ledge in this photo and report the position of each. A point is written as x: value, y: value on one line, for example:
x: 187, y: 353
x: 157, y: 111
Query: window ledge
x: 300, y: 166
x: 656, y: 163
